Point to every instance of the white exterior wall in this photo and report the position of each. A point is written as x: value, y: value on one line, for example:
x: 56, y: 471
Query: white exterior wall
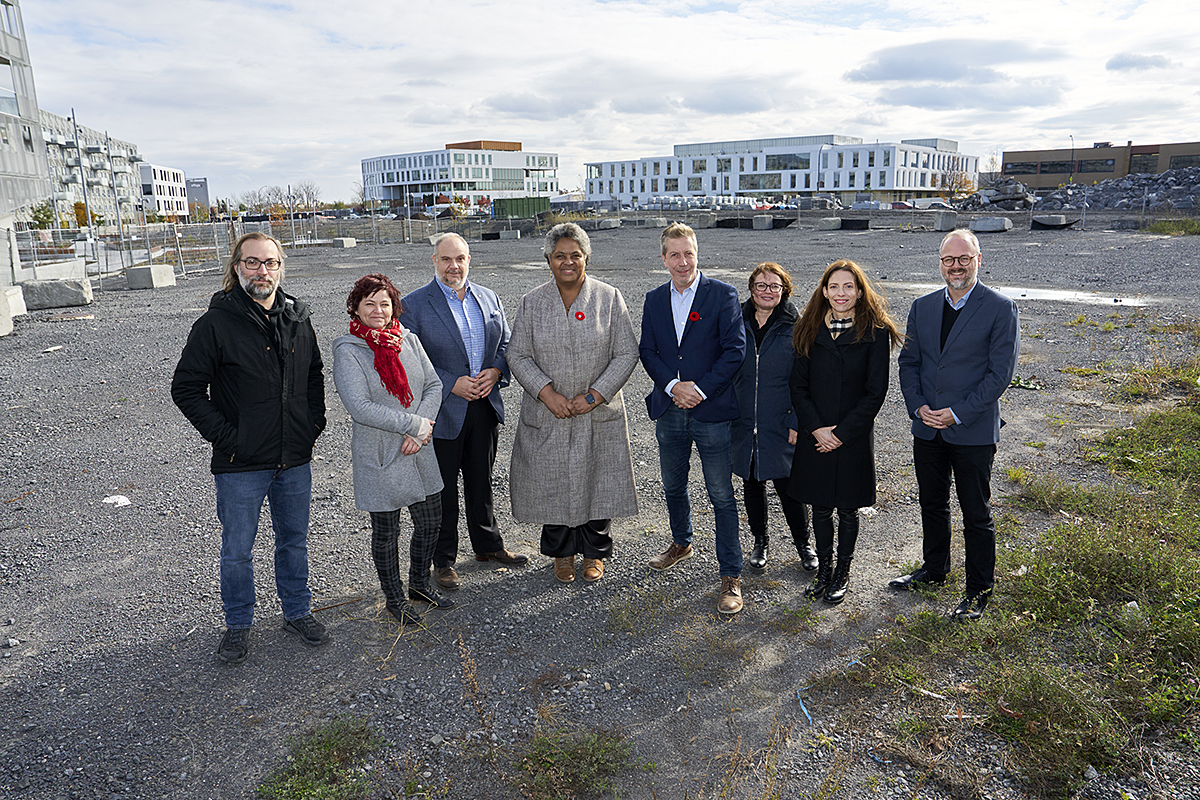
x: 474, y: 174
x: 164, y: 190
x: 805, y: 167
x: 102, y: 163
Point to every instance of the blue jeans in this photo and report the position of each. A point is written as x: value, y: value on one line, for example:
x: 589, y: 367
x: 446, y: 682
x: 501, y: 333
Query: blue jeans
x: 239, y: 502
x: 676, y: 431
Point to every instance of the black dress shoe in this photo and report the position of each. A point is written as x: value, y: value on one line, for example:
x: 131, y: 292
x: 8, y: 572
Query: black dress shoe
x: 404, y: 613
x: 431, y: 597
x: 972, y: 606
x: 504, y: 556
x: 916, y: 578
x: 758, y: 556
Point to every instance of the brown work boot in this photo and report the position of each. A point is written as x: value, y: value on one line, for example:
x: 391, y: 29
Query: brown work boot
x: 447, y: 578
x: 593, y: 569
x: 670, y: 557
x: 731, y: 596
x: 564, y: 568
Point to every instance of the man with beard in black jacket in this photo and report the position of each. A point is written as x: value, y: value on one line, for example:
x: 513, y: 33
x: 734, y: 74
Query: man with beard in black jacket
x: 250, y: 382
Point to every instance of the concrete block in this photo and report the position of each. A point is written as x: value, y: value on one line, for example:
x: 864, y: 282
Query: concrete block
x: 57, y: 294
x: 15, y: 299
x: 605, y: 224
x: 6, y: 324
x: 705, y: 220
x: 763, y: 222
x: 151, y: 276
x: 856, y: 224
x: 344, y: 241
x: 515, y: 233
x: 991, y: 224
x: 945, y: 220
x: 655, y: 222
x: 67, y: 269
x: 829, y: 224
x: 1051, y: 219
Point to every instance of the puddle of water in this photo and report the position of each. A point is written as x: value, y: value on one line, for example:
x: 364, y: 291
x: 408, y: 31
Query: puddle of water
x: 1056, y: 295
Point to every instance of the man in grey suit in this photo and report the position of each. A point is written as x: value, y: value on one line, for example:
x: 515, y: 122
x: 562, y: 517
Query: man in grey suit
x: 463, y: 330
x: 959, y: 356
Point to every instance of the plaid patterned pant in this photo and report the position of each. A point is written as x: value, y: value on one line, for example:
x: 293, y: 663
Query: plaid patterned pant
x: 385, y: 530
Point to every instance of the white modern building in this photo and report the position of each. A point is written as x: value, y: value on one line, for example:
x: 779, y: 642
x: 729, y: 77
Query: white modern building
x: 785, y: 167
x: 82, y: 159
x: 478, y: 172
x: 164, y: 190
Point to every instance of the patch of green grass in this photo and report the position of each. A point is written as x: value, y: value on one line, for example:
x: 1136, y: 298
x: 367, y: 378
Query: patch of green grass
x: 325, y: 764
x: 704, y: 642
x: 794, y: 620
x: 639, y: 609
x: 1077, y: 321
x: 564, y: 766
x: 1080, y: 371
x: 1036, y: 445
x: 1162, y: 380
x: 1017, y: 475
x: 1175, y: 227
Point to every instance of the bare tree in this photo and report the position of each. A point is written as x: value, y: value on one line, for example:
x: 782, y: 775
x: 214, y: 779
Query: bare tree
x: 252, y: 199
x: 307, y: 193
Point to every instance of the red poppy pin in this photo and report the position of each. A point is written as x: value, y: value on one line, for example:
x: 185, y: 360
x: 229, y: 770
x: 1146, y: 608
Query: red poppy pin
x: 693, y: 316
x: 579, y: 315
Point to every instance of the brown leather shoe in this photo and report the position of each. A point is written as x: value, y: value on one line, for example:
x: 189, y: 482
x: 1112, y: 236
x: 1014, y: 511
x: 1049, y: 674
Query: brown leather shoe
x: 731, y: 596
x: 504, y: 556
x: 447, y: 578
x: 593, y: 569
x: 564, y: 569
x: 670, y: 557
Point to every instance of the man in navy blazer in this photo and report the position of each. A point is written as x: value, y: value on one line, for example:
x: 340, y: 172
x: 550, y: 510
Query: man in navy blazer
x: 462, y: 327
x: 693, y: 342
x: 959, y: 356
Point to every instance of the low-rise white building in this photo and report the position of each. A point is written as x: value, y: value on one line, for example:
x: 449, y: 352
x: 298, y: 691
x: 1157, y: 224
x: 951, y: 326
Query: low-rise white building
x: 786, y: 167
x: 164, y: 190
x: 479, y: 172
x: 81, y: 157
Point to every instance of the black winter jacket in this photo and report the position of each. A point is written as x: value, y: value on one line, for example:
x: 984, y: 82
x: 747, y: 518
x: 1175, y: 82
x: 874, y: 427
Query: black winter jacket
x: 251, y: 382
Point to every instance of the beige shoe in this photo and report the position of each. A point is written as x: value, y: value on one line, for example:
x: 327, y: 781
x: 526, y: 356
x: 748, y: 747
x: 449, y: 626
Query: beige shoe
x: 564, y: 569
x: 446, y: 578
x: 731, y: 596
x: 670, y: 557
x: 593, y: 569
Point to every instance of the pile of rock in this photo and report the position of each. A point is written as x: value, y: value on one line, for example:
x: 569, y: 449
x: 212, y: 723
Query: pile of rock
x: 1007, y: 195
x: 1175, y: 189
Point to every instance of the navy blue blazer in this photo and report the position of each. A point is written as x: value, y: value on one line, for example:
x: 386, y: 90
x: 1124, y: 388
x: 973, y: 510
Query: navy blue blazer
x: 710, y: 353
x: 428, y: 315
x: 970, y: 373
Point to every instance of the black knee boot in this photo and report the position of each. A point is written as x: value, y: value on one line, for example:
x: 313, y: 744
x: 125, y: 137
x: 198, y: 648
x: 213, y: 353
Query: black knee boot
x: 847, y: 539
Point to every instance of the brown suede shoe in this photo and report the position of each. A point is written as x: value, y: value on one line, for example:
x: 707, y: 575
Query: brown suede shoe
x: 593, y: 569
x: 670, y: 557
x: 731, y: 596
x: 504, y: 556
x: 447, y: 578
x: 564, y: 569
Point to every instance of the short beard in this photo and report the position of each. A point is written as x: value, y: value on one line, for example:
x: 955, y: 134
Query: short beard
x: 256, y: 292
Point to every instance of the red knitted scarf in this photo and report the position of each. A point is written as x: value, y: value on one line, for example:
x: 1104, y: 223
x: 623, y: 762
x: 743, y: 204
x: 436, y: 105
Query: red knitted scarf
x: 386, y: 346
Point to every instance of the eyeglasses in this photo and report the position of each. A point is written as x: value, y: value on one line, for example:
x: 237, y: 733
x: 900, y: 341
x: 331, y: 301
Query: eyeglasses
x: 962, y: 261
x: 252, y: 264
x: 773, y: 288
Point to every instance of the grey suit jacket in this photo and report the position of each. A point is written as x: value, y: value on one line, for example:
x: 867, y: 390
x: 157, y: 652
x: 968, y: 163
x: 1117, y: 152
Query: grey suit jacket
x: 970, y: 373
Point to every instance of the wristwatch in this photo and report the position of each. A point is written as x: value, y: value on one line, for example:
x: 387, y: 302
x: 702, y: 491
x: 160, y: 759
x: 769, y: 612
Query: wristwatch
x: 591, y: 399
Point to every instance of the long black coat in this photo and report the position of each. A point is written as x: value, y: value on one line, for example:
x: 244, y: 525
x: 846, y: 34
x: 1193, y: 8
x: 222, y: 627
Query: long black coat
x: 841, y: 383
x: 764, y: 399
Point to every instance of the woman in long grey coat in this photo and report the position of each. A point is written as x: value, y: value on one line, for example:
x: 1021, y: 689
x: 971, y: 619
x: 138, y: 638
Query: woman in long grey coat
x: 572, y: 349
x: 392, y: 392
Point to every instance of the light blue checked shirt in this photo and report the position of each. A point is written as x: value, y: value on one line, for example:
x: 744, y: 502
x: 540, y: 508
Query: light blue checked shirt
x: 469, y: 317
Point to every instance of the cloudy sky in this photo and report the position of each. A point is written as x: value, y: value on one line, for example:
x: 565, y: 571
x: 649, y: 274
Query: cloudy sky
x: 254, y: 93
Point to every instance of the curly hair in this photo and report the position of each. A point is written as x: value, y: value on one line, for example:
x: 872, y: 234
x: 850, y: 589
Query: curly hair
x: 368, y: 285
x: 870, y: 312
x: 568, y: 230
x: 777, y: 271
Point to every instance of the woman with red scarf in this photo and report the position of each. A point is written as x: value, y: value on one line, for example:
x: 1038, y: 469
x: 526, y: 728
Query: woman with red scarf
x: 388, y: 385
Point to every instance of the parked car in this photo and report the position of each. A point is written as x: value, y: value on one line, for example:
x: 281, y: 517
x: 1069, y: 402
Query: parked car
x: 939, y: 205
x: 902, y: 205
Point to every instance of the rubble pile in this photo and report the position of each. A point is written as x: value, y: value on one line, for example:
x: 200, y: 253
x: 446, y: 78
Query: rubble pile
x: 1175, y: 189
x: 1006, y: 195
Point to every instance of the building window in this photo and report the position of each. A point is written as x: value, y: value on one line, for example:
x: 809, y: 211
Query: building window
x: 807, y: 180
x: 887, y: 158
x: 837, y: 180
x: 680, y: 167
x: 723, y: 165
x: 1144, y: 163
x: 668, y: 167
x: 670, y: 184
x: 841, y: 161
x: 1100, y: 165
x: 654, y: 183
x: 754, y: 164
x: 726, y: 182
x: 621, y: 187
x: 622, y: 170
x: 786, y: 161
x: 741, y: 165
x: 696, y: 184
x: 871, y: 158
x: 699, y: 165
x: 1057, y: 167
x: 850, y: 184
x: 882, y: 179
x: 793, y: 180
x: 714, y: 183
x: 1020, y: 168
x: 642, y: 188
x: 656, y: 166
x: 760, y: 183
x: 854, y: 161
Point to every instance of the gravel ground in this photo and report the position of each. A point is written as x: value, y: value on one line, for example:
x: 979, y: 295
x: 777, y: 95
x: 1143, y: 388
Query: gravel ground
x: 110, y: 616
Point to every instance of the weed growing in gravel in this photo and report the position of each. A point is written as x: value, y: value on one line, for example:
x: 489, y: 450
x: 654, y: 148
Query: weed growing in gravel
x: 1093, y: 638
x: 703, y: 642
x: 1161, y: 380
x: 561, y: 766
x: 794, y: 620
x: 325, y: 764
x: 637, y: 610
x: 1185, y: 226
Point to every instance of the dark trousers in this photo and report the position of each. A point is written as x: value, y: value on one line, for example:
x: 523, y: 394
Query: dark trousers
x: 385, y: 549
x: 971, y: 467
x: 473, y: 453
x: 754, y: 494
x: 591, y: 540
x: 847, y: 532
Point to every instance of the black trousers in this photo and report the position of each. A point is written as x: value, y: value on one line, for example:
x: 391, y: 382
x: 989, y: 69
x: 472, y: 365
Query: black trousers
x: 385, y: 550
x: 936, y: 461
x: 847, y: 532
x: 591, y: 540
x: 472, y: 453
x: 754, y: 495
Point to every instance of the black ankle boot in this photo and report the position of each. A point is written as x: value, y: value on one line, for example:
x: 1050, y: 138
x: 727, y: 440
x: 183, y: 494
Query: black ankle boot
x: 821, y: 581
x: 839, y: 583
x: 758, y: 556
x: 808, y: 555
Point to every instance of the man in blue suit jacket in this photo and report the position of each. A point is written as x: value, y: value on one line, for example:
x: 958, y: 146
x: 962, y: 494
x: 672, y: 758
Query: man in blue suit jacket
x: 693, y: 341
x: 462, y: 327
x: 959, y: 356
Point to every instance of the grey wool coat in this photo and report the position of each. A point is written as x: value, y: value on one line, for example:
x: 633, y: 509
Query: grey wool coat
x: 570, y: 471
x: 385, y: 479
